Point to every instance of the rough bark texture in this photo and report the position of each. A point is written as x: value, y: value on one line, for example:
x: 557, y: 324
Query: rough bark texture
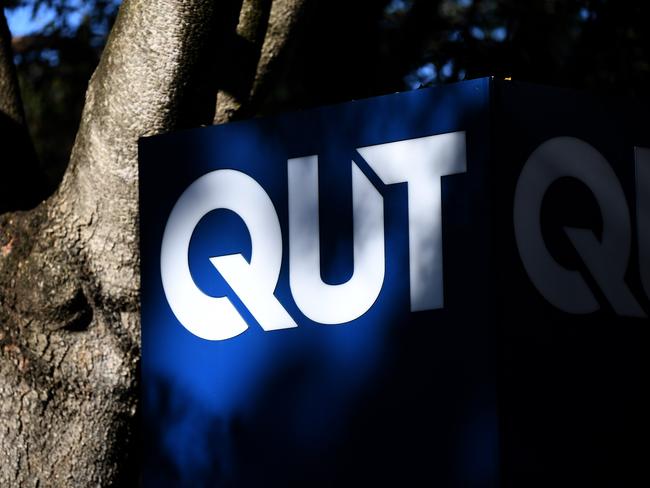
x: 69, y: 269
x: 265, y: 29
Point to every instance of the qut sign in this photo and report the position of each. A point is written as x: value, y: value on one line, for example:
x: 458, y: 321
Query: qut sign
x: 419, y: 163
x: 419, y: 276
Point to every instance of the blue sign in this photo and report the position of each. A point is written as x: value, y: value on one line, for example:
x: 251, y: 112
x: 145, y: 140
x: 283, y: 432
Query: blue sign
x: 329, y: 297
x: 305, y: 291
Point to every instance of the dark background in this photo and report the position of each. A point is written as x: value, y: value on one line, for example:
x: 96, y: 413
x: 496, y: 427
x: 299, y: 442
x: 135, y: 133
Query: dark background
x: 351, y: 50
x: 573, y: 408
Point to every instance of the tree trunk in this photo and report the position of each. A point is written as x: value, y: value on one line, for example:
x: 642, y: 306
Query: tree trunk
x: 69, y: 277
x: 69, y: 268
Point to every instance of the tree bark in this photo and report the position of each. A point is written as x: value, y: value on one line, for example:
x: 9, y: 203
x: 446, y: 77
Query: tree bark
x: 69, y: 269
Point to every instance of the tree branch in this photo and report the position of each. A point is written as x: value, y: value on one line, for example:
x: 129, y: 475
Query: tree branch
x: 10, y: 103
x: 247, y: 42
x: 284, y: 20
x: 267, y: 29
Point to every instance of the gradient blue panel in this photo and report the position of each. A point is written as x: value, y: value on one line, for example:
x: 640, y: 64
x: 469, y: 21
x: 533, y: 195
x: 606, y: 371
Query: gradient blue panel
x: 392, y: 397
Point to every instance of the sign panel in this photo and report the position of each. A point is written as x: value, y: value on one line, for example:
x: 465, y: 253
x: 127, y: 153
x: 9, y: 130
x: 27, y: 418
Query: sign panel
x: 314, y: 306
x: 572, y: 226
x: 447, y: 287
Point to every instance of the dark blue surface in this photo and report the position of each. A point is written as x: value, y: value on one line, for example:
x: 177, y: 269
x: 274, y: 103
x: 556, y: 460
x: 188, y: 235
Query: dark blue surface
x: 572, y: 388
x: 392, y: 397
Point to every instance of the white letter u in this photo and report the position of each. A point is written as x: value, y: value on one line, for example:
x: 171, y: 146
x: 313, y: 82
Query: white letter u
x: 319, y: 301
